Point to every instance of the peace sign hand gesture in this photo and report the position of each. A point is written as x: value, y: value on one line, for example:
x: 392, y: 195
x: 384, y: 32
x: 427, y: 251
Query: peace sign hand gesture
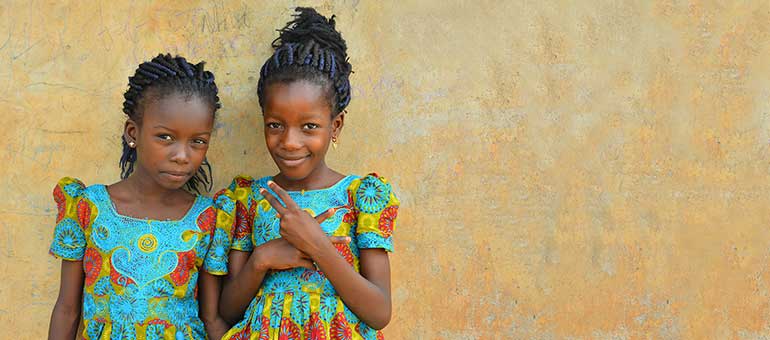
x: 298, y: 227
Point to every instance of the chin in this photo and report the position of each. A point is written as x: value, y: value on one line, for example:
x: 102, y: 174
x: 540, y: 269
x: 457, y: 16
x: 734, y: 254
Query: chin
x: 294, y: 175
x: 171, y: 185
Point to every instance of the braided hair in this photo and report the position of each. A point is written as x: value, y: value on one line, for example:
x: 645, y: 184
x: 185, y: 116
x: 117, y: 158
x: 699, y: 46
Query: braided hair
x: 309, y: 48
x: 162, y: 76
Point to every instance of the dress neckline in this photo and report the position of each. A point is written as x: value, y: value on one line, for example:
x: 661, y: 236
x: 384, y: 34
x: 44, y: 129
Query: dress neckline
x: 300, y: 192
x: 114, y: 210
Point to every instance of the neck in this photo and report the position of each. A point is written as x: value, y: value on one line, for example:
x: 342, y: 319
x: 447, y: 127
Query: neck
x: 144, y: 188
x: 320, y: 178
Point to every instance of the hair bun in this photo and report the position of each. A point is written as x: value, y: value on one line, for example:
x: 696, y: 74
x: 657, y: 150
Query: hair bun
x: 308, y: 25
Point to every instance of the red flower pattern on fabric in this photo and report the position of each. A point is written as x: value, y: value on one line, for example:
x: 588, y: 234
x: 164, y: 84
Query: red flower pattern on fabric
x: 207, y: 220
x: 61, y: 203
x: 241, y: 221
x: 289, y: 330
x: 314, y: 328
x: 344, y: 250
x: 339, y: 328
x: 181, y: 273
x: 244, y: 334
x: 84, y: 214
x: 386, y: 220
x: 264, y: 330
x: 243, y: 182
x: 92, y: 265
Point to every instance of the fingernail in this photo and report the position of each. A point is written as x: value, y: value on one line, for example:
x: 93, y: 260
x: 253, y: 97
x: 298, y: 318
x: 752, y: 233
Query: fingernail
x: 262, y: 190
x: 270, y: 183
x: 332, y: 210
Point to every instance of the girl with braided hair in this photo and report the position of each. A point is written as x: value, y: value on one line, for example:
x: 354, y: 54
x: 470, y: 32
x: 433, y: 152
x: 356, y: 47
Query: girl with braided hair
x: 285, y: 274
x: 137, y: 254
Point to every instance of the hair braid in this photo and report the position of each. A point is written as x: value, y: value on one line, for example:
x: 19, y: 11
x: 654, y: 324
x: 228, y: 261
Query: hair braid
x: 309, y: 48
x: 162, y: 76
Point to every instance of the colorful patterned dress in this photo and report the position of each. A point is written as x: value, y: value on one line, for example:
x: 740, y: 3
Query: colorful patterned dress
x: 299, y: 303
x: 140, y: 275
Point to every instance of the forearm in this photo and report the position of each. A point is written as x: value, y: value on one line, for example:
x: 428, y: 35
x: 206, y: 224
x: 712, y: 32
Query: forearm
x: 365, y: 299
x: 65, y: 320
x: 216, y: 328
x: 208, y: 296
x: 239, y: 290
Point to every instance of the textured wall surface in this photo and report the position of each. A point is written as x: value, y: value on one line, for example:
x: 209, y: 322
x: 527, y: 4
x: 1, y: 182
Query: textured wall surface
x: 568, y: 170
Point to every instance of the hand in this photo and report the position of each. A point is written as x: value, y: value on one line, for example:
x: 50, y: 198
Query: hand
x: 279, y: 254
x: 217, y: 328
x: 297, y: 226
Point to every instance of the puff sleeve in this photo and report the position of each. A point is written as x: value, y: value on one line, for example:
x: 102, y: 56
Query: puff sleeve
x: 235, y: 212
x: 73, y: 219
x: 377, y: 208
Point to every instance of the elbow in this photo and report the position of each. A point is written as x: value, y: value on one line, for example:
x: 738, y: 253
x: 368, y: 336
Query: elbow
x: 230, y: 319
x: 66, y: 310
x: 208, y: 319
x: 380, y: 321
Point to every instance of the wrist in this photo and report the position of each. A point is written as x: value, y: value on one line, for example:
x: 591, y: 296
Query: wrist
x: 258, y: 261
x: 323, y: 250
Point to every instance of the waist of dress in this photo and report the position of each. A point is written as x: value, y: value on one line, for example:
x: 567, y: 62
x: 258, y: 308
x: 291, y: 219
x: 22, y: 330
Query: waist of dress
x: 308, y: 289
x: 141, y: 310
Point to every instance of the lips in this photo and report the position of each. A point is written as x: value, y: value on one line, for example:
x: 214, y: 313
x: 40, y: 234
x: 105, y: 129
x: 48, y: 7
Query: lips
x: 291, y: 161
x: 176, y: 175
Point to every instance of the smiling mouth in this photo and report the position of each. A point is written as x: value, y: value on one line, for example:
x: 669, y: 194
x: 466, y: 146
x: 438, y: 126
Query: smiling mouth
x: 292, y: 161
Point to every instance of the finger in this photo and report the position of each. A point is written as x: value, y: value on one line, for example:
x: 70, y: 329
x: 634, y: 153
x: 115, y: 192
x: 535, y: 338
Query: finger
x: 272, y: 200
x: 290, y: 204
x: 325, y: 215
x: 340, y: 239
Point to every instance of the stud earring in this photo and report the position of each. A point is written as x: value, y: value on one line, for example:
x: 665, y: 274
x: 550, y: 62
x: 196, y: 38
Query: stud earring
x: 334, y: 143
x: 131, y: 144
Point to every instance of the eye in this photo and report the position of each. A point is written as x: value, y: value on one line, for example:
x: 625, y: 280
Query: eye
x: 165, y: 137
x: 273, y: 125
x: 310, y: 126
x: 200, y: 141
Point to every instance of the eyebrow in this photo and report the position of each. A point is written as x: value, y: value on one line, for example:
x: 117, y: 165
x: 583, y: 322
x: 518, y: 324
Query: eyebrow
x: 170, y: 129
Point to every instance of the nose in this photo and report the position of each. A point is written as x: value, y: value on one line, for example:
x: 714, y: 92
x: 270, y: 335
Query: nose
x: 180, y: 154
x: 292, y: 139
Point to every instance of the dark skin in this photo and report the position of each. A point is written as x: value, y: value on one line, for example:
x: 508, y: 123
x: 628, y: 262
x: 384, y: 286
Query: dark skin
x: 171, y: 144
x: 298, y: 130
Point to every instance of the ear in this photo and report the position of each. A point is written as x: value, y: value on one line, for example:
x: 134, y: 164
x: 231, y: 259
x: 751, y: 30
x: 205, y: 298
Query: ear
x: 130, y: 131
x: 337, y: 124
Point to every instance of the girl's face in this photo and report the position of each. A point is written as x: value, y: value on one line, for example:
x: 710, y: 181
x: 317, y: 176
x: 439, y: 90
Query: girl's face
x: 298, y: 128
x: 172, y: 141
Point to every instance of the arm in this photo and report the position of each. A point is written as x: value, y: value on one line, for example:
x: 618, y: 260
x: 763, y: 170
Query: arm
x: 208, y: 297
x: 366, y: 294
x: 65, y: 317
x: 248, y: 270
x: 241, y: 285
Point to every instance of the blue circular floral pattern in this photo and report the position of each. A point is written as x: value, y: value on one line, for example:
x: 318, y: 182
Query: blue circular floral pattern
x: 69, y: 240
x: 372, y: 195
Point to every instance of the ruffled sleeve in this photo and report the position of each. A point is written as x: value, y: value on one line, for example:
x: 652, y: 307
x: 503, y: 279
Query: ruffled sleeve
x: 73, y: 219
x: 377, y: 208
x: 235, y: 212
x: 218, y: 241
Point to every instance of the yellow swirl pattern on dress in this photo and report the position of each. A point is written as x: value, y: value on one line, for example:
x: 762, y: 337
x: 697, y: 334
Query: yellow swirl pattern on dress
x: 147, y: 243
